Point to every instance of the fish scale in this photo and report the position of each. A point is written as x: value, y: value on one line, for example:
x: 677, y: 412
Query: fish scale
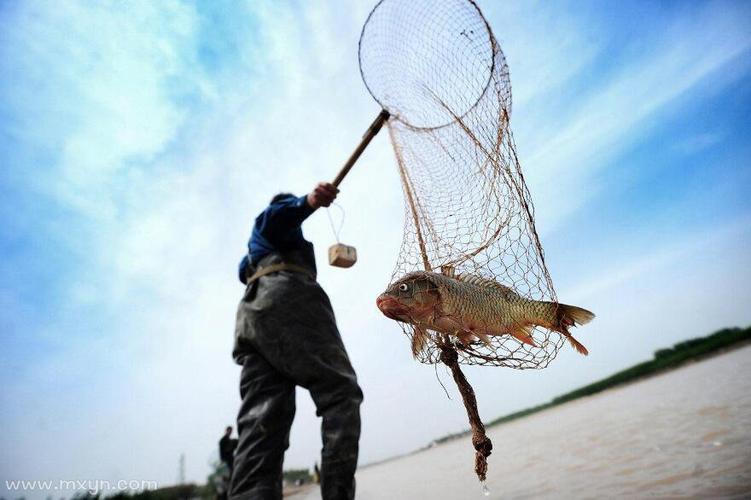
x: 489, y: 303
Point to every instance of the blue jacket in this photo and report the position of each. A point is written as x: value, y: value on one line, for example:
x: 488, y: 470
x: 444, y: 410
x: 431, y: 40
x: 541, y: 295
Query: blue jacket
x: 277, y: 229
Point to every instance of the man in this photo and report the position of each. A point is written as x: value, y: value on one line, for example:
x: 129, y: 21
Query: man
x: 285, y: 336
x: 227, y: 447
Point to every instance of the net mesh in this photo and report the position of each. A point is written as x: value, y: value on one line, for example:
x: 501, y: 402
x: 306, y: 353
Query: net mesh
x: 436, y: 67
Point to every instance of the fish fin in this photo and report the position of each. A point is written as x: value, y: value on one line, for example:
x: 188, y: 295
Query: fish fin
x: 449, y: 271
x: 572, y: 315
x: 419, y: 339
x: 484, y: 338
x: 474, y: 279
x: 464, y: 336
x: 574, y: 343
x: 467, y: 336
x: 524, y: 334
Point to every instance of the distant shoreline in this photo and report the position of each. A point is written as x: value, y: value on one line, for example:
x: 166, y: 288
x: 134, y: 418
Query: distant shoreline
x: 664, y: 361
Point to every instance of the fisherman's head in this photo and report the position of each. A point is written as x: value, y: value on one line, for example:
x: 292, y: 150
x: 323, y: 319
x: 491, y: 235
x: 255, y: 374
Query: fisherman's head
x: 228, y: 430
x: 281, y: 196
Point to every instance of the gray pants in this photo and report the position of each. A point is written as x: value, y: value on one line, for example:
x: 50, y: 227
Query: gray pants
x: 287, y: 336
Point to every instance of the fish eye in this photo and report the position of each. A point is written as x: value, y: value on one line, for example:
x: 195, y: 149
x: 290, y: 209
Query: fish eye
x: 403, y: 287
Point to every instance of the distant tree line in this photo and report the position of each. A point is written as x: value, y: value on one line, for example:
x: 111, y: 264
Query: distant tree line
x: 178, y: 492
x: 292, y: 476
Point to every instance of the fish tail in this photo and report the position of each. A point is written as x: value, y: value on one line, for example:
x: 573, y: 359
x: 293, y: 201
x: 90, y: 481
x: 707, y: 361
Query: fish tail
x: 572, y: 316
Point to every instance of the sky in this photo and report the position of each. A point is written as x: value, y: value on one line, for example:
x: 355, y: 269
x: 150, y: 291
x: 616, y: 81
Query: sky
x: 139, y: 139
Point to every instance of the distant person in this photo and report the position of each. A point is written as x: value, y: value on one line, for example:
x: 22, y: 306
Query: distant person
x: 286, y: 336
x: 316, y: 473
x: 227, y: 447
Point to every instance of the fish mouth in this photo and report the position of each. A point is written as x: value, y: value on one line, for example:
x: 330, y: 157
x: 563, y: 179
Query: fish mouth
x: 391, y: 307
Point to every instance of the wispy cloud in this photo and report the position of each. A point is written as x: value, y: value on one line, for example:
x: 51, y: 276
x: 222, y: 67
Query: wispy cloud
x: 699, y: 142
x: 110, y: 80
x: 651, y: 260
x: 611, y: 116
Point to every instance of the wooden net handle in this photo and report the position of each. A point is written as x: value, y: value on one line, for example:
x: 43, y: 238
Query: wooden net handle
x: 369, y: 134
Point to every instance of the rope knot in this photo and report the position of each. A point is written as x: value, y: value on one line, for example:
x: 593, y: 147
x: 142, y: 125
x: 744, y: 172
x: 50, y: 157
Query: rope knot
x: 449, y: 357
x: 482, y: 444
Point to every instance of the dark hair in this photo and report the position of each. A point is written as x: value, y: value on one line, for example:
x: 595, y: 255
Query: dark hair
x: 281, y: 196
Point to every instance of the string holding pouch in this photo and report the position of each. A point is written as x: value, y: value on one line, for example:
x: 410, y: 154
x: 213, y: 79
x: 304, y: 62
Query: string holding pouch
x: 340, y: 255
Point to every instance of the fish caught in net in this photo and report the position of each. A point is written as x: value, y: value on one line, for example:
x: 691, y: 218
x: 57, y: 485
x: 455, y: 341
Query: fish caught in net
x: 470, y: 284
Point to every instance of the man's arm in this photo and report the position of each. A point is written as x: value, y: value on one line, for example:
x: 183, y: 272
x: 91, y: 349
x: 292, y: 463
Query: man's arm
x: 286, y: 215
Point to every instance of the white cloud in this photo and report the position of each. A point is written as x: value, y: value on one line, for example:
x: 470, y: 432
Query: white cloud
x: 109, y: 76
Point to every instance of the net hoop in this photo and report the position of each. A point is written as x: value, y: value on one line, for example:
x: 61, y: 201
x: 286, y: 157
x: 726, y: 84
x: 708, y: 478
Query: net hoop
x: 398, y: 114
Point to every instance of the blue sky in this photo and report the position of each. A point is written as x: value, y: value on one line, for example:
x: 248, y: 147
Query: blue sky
x: 139, y: 139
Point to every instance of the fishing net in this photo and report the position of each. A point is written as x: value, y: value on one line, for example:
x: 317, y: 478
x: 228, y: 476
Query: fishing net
x: 437, y: 69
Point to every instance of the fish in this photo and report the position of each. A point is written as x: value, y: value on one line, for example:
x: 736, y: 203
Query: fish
x: 473, y: 308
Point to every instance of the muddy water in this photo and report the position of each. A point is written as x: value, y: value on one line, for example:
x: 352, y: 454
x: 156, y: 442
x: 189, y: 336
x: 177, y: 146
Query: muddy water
x: 683, y: 434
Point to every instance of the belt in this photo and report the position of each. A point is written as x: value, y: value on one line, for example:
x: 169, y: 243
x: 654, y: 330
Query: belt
x: 273, y: 268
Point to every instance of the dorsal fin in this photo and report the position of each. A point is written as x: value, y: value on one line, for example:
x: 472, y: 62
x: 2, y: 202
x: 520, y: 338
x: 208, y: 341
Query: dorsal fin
x: 473, y: 279
x: 449, y: 271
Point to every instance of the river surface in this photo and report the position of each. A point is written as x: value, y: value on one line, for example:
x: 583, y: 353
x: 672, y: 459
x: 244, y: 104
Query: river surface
x: 682, y: 434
